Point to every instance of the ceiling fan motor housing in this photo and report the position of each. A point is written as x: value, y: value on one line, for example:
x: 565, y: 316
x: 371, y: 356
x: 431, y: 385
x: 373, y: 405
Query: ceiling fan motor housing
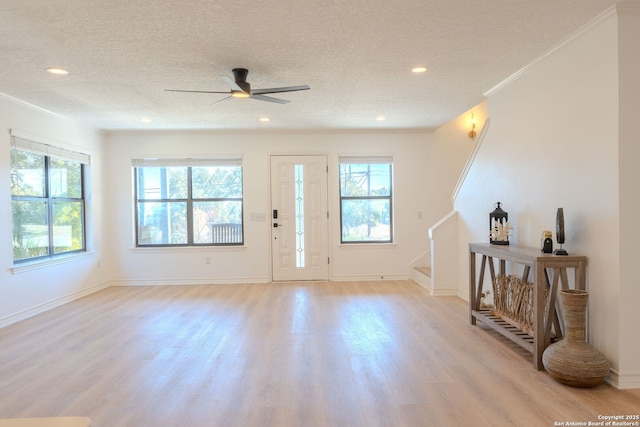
x: 240, y: 75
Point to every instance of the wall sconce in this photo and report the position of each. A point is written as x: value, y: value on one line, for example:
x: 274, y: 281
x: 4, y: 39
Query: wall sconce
x: 472, y: 132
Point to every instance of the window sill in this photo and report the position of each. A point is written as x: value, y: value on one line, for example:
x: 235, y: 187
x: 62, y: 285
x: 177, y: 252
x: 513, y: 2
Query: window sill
x: 167, y: 249
x: 63, y: 259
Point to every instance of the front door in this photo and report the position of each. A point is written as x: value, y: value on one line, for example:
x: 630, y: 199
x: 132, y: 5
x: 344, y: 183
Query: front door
x: 299, y: 230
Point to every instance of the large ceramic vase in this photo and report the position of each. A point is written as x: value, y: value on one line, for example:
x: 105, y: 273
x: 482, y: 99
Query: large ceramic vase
x: 572, y: 361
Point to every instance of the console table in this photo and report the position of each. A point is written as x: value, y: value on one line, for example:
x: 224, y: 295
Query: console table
x: 547, y: 271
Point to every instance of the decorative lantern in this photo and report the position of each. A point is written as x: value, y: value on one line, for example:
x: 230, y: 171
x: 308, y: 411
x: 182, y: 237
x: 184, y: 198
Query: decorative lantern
x: 499, y: 226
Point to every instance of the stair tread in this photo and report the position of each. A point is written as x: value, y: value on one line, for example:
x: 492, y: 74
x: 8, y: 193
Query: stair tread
x: 424, y: 270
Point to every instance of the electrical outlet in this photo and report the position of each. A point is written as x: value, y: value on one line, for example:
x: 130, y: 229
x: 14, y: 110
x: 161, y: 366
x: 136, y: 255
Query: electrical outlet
x: 207, y: 260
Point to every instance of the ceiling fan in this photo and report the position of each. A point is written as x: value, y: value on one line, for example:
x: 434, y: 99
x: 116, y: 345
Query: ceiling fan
x: 240, y: 88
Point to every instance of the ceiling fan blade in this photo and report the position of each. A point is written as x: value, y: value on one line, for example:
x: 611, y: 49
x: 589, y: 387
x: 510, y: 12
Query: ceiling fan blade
x: 192, y: 91
x: 231, y: 83
x: 220, y: 100
x: 269, y: 99
x: 279, y: 89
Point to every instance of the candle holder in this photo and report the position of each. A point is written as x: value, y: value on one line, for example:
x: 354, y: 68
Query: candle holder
x: 560, y: 232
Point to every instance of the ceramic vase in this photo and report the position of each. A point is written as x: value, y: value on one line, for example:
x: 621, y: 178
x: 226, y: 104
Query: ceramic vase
x: 572, y: 361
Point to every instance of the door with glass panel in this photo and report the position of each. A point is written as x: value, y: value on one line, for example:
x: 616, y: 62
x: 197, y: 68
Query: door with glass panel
x: 299, y: 231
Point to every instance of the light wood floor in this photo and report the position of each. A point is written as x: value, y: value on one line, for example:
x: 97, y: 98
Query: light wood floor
x: 296, y: 354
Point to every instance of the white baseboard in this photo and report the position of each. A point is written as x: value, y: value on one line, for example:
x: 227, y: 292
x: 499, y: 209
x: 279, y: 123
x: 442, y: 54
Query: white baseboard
x: 41, y: 308
x: 444, y: 292
x: 623, y: 382
x: 613, y: 378
x: 463, y: 295
x: 171, y: 282
x: 425, y: 282
x: 360, y: 278
x: 239, y: 280
x: 437, y: 292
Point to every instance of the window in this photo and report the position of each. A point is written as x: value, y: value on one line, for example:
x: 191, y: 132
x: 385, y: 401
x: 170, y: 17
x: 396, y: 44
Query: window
x: 188, y: 202
x: 47, y: 199
x: 365, y: 199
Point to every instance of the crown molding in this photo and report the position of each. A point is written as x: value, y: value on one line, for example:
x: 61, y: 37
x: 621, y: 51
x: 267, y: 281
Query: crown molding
x: 31, y: 106
x: 612, y: 11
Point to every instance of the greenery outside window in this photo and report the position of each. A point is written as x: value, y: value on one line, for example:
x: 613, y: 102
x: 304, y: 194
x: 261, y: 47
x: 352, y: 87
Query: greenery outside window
x: 189, y: 202
x: 365, y: 199
x: 47, y: 199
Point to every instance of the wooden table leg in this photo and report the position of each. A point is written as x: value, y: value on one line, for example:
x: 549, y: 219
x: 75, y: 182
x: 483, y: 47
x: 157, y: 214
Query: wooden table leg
x: 538, y: 324
x: 472, y: 286
x: 551, y: 317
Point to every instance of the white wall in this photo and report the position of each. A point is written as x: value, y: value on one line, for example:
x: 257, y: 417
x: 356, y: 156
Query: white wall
x: 629, y: 157
x: 454, y: 143
x: 553, y: 142
x: 413, y: 172
x: 31, y: 291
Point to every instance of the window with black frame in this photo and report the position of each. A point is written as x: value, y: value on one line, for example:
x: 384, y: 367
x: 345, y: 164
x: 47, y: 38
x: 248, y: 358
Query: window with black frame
x: 189, y: 202
x: 47, y: 199
x: 366, y: 214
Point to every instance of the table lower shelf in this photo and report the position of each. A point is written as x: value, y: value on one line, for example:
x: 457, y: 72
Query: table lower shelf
x: 516, y: 335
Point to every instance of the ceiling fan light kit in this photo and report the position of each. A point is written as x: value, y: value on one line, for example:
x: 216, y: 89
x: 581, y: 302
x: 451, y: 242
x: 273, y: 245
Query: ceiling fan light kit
x: 241, y: 88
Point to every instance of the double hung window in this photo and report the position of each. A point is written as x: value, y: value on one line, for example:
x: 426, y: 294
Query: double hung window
x: 47, y: 199
x: 365, y: 199
x: 188, y: 202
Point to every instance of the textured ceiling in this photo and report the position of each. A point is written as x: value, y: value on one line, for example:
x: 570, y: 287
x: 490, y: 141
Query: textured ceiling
x: 355, y: 55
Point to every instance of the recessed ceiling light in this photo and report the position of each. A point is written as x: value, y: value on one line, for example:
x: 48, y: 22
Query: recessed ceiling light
x: 419, y: 69
x: 57, y: 70
x: 265, y: 119
x: 145, y: 120
x: 381, y: 118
